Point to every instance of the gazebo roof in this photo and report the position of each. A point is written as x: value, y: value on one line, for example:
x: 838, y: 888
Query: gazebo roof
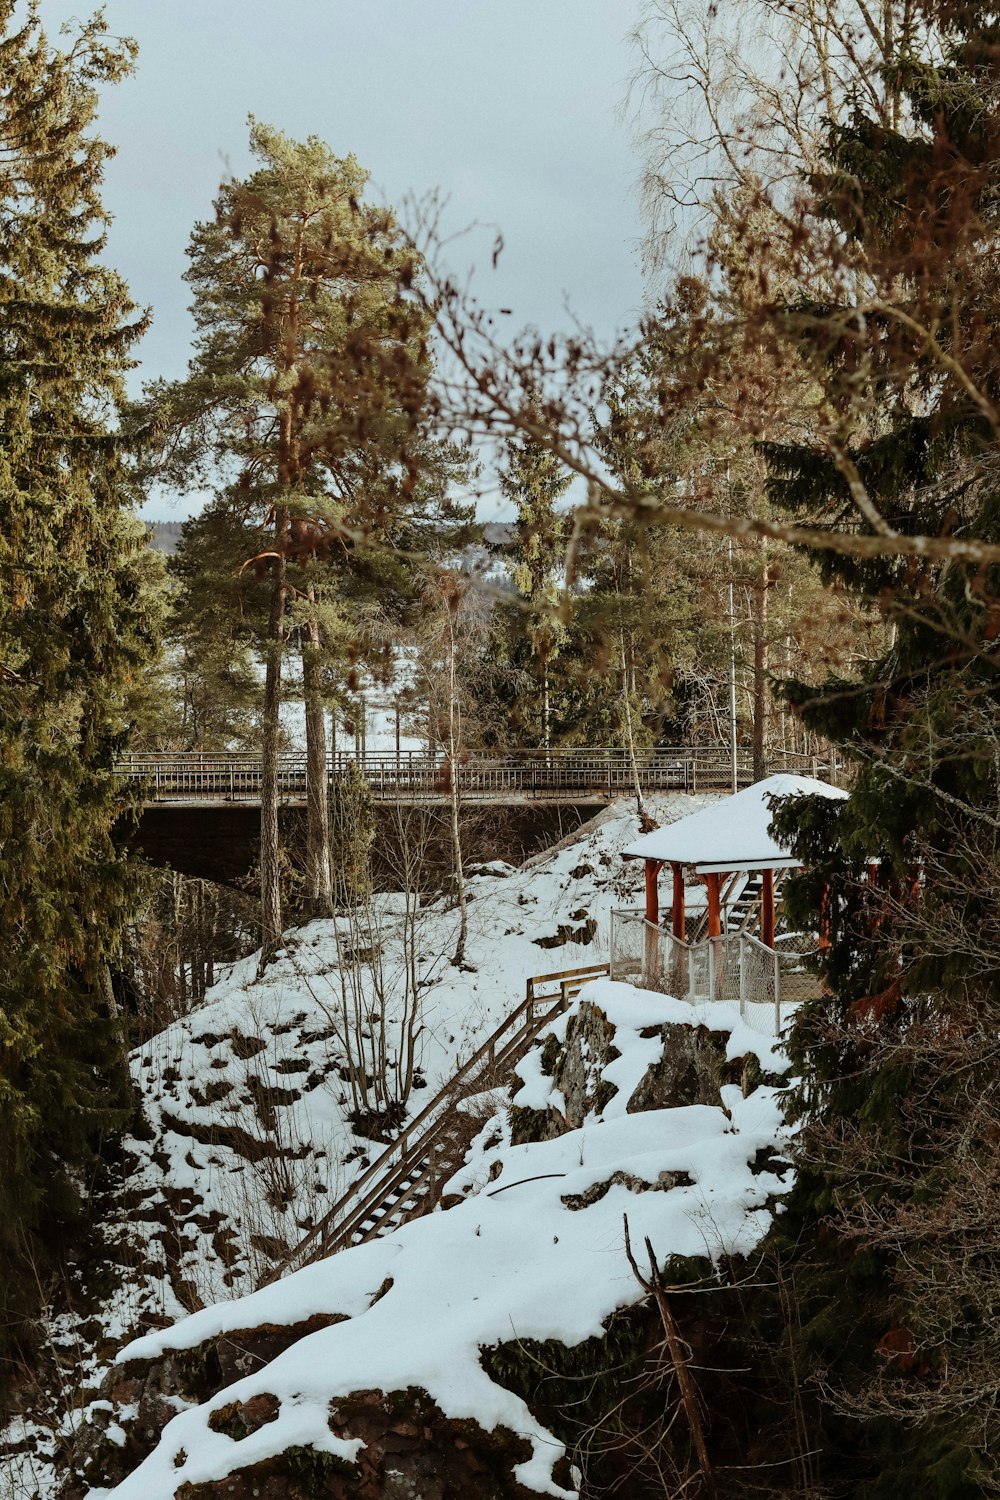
x: 732, y: 835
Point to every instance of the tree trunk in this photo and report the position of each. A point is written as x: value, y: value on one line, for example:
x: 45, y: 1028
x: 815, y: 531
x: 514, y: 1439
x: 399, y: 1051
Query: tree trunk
x: 647, y: 821
x: 288, y: 474
x: 454, y: 750
x: 545, y: 704
x: 761, y: 586
x: 319, y: 890
x: 270, y: 843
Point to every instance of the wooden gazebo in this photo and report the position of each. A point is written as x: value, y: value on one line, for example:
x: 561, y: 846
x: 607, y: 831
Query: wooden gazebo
x: 726, y: 839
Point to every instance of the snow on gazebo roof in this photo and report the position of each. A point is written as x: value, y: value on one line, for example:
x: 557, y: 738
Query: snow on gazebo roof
x: 732, y: 835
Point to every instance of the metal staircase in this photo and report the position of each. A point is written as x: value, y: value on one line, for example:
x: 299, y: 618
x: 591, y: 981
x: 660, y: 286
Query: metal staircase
x: 405, y: 1181
x: 741, y: 903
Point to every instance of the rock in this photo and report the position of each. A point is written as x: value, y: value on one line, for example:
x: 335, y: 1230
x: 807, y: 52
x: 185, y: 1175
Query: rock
x: 576, y: 1068
x: 240, y: 1418
x: 664, y: 1183
x: 184, y: 1376
x: 564, y: 934
x: 234, y: 1355
x: 412, y: 1452
x: 689, y: 1072
x: 579, y: 1071
x: 246, y: 1047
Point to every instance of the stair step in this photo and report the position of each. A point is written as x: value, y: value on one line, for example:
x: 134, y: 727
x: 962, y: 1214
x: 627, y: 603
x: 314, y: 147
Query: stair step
x: 426, y: 1173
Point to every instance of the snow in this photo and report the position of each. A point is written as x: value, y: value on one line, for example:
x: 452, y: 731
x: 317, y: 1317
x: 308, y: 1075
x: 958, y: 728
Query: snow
x: 203, y: 1220
x: 734, y: 834
x: 528, y: 1255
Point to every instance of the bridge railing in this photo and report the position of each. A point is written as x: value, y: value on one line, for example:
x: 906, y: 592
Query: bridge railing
x: 486, y: 774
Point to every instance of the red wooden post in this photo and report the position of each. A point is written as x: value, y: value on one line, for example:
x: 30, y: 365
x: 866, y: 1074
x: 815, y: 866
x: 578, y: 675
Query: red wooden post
x: 767, y: 909
x: 677, y: 911
x: 651, y: 946
x: 652, y: 893
x: 713, y: 880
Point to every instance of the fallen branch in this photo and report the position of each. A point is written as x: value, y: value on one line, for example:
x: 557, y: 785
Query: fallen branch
x: 680, y: 1354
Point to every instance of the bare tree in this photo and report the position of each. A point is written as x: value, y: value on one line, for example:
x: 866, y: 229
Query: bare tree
x: 387, y: 961
x: 727, y: 99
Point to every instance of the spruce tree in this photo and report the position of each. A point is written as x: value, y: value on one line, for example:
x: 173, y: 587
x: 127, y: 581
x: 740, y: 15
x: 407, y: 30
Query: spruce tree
x: 891, y: 1235
x: 534, y: 480
x: 74, y: 634
x: 214, y: 624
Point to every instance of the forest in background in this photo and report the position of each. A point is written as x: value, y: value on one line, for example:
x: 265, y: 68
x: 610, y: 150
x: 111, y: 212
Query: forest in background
x: 809, y: 415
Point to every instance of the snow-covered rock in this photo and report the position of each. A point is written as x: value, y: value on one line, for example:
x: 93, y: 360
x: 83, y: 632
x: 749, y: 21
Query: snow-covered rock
x: 533, y: 1250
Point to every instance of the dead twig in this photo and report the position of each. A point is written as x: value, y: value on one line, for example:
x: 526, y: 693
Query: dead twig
x: 680, y: 1355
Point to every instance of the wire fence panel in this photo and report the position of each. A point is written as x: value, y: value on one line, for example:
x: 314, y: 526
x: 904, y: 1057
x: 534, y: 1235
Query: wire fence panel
x: 628, y: 936
x: 764, y: 982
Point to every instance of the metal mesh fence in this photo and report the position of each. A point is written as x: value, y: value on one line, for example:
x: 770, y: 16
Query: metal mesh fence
x: 627, y: 946
x: 797, y: 980
x: 763, y: 981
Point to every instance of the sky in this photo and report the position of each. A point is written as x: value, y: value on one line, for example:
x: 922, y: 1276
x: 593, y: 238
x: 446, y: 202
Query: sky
x: 509, y: 108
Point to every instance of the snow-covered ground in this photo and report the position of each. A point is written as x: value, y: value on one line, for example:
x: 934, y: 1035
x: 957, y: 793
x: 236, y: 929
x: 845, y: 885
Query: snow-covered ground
x: 532, y: 1252
x: 249, y: 1140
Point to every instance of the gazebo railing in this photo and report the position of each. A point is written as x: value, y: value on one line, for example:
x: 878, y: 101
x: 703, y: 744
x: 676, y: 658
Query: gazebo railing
x: 734, y: 967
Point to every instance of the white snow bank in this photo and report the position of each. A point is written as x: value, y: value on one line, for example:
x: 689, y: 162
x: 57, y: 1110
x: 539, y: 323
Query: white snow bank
x: 520, y: 1258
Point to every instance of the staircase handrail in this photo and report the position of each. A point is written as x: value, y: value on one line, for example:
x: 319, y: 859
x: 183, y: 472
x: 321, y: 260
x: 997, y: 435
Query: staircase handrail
x: 406, y: 1143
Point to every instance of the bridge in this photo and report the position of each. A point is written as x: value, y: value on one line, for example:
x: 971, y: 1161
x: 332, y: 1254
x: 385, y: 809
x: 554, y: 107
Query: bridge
x: 201, y: 810
x: 564, y: 774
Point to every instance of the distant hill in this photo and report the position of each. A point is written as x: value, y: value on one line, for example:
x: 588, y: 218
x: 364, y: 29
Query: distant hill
x: 164, y: 535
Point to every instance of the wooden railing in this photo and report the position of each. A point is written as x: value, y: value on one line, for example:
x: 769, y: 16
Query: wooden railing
x: 483, y: 774
x: 406, y: 1179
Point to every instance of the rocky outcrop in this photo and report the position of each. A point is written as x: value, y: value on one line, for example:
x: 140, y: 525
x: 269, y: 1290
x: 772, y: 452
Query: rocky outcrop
x: 690, y: 1068
x: 411, y: 1450
x: 106, y: 1451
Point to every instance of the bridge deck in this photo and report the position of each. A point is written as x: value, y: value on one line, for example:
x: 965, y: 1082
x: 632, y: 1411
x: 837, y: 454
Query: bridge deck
x: 194, y: 778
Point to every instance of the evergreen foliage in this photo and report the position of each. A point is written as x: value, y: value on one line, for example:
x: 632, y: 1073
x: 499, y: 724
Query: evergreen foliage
x: 76, y: 632
x: 304, y: 407
x: 216, y: 622
x: 534, y: 481
x: 893, y: 1257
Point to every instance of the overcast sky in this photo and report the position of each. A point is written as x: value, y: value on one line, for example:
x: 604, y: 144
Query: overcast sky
x: 509, y: 107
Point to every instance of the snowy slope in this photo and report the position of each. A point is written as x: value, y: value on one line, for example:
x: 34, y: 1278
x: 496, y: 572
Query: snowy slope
x: 260, y: 1064
x: 249, y: 1139
x: 532, y: 1252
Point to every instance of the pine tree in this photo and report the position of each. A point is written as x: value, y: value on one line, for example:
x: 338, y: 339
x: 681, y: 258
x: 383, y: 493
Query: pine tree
x: 891, y: 1237
x: 303, y: 404
x: 534, y: 480
x: 215, y: 622
x: 75, y: 631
